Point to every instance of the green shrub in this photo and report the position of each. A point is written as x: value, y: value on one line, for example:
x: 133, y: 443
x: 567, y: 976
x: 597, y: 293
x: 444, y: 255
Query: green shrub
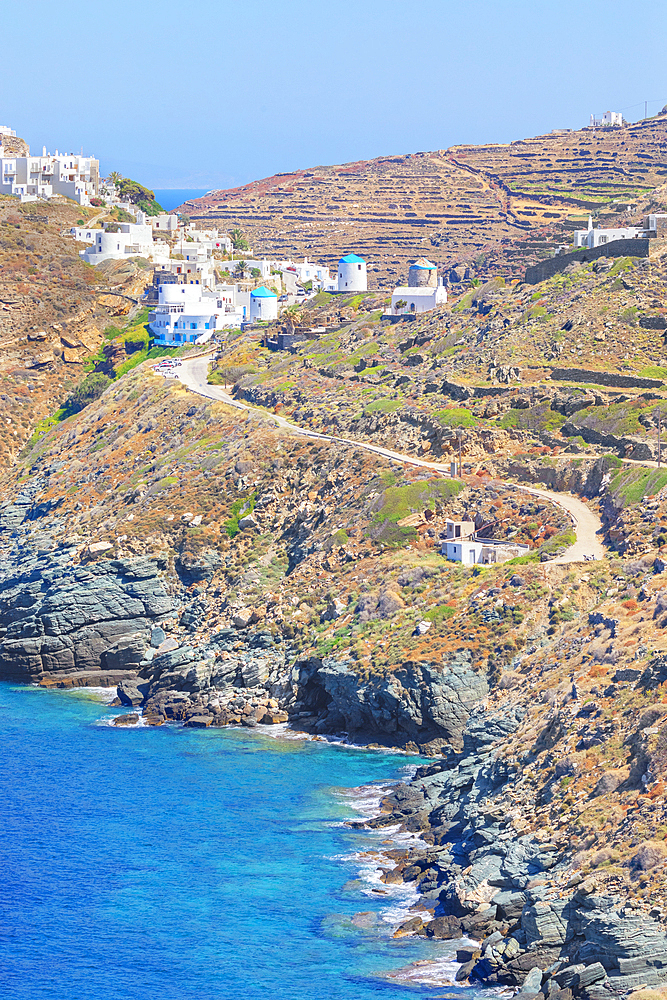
x: 456, y: 416
x: 440, y: 614
x: 240, y: 507
x: 383, y: 406
x: 400, y: 501
x: 90, y: 389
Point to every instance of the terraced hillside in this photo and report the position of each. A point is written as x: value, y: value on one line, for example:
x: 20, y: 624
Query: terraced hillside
x: 484, y: 206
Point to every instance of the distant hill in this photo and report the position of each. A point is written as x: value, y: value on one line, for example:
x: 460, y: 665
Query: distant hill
x: 486, y: 205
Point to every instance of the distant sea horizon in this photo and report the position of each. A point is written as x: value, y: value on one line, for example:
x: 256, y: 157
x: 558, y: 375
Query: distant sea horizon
x: 171, y: 198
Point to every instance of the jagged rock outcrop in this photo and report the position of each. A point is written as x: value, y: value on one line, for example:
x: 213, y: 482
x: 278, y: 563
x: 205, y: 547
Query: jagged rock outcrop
x: 428, y: 704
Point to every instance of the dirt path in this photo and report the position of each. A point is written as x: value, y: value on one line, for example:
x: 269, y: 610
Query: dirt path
x: 193, y: 374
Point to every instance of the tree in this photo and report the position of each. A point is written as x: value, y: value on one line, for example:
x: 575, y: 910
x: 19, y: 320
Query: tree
x: 241, y: 266
x: 136, y: 194
x: 255, y: 273
x: 400, y: 305
x: 239, y: 242
x: 291, y: 319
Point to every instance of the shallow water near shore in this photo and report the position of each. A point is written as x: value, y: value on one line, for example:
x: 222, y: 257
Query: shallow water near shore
x: 176, y: 863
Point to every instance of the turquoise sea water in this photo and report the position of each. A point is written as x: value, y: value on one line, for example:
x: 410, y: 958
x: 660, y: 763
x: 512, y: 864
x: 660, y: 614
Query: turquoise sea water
x: 172, y: 198
x: 169, y: 863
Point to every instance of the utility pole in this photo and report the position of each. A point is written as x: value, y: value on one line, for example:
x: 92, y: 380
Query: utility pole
x: 659, y: 429
x: 460, y: 460
x: 645, y: 109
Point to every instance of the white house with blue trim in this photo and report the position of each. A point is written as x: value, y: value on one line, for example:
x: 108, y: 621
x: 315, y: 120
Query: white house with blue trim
x: 186, y: 314
x: 263, y: 305
x: 352, y: 274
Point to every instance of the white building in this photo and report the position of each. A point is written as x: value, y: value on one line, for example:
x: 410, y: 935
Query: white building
x: 318, y: 274
x: 165, y: 223
x: 190, y: 313
x: 194, y: 262
x: 463, y: 545
x: 407, y: 300
x: 31, y: 177
x: 210, y: 238
x: 130, y: 240
x: 597, y: 237
x: 352, y: 274
x: 263, y: 305
x: 608, y: 118
x: 83, y: 235
x: 6, y: 130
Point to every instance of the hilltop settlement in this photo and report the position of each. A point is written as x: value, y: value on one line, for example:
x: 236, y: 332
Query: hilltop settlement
x: 373, y: 451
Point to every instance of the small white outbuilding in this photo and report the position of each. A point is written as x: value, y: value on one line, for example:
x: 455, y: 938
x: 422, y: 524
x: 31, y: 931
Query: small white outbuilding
x: 407, y: 300
x: 352, y: 274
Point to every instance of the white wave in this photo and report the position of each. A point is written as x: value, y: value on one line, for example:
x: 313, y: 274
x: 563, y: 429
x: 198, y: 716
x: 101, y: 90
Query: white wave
x: 110, y: 720
x: 364, y: 799
x: 427, y: 972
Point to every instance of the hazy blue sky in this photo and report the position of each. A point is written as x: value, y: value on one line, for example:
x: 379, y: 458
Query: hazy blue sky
x: 214, y: 93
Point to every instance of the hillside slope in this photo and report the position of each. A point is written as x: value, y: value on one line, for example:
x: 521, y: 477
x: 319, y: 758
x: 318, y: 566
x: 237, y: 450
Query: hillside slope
x: 457, y: 205
x: 54, y: 309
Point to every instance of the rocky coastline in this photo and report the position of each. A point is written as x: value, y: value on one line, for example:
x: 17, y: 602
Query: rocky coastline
x: 542, y: 927
x: 542, y: 679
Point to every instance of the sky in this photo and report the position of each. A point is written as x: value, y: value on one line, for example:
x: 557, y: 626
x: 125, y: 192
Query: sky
x: 215, y: 93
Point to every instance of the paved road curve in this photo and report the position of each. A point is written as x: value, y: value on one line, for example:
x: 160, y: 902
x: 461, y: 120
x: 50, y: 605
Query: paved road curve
x: 193, y: 374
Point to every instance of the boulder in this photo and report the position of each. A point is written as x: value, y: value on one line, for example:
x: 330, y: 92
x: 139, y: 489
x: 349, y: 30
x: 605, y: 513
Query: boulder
x: 444, y: 928
x: 532, y: 983
x: 273, y: 717
x: 650, y: 854
x: 609, y: 782
x: 412, y: 926
x: 129, y: 693
x: 126, y: 720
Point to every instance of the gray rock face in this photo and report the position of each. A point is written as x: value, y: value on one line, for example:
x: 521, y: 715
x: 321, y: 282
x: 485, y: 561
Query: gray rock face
x: 534, y: 936
x: 420, y: 702
x: 188, y: 681
x: 56, y: 618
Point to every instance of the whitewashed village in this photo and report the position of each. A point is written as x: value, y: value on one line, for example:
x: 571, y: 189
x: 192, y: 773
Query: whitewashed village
x: 207, y: 283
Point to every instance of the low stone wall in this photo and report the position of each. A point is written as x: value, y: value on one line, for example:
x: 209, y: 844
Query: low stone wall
x: 604, y: 378
x: 617, y: 248
x: 458, y: 392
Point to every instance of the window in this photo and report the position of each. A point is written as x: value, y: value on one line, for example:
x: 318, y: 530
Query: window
x: 359, y: 267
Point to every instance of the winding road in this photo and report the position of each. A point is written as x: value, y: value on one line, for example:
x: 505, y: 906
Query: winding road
x: 193, y: 374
